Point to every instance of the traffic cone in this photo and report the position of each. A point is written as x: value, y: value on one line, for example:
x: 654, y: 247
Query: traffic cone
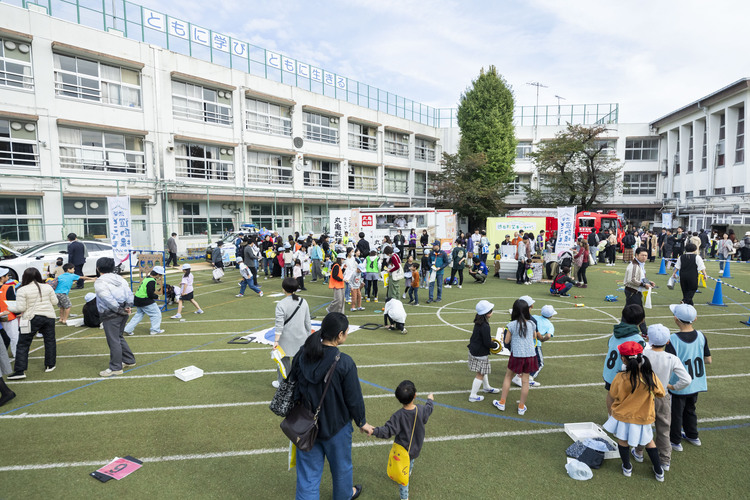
x: 718, y: 299
x: 726, y: 270
x: 663, y: 266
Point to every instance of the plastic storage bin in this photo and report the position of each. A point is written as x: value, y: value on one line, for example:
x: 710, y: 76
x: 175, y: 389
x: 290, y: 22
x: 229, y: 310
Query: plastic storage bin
x: 580, y: 431
x: 188, y: 373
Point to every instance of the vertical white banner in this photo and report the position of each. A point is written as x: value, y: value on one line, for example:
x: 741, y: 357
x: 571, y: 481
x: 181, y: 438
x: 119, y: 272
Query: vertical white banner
x: 120, y: 231
x: 340, y: 220
x: 666, y: 220
x: 566, y: 224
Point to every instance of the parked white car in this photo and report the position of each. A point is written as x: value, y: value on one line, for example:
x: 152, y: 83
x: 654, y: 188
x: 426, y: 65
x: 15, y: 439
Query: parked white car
x: 44, y: 255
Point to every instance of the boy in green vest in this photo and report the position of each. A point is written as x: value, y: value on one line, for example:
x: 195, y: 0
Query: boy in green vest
x: 145, y: 303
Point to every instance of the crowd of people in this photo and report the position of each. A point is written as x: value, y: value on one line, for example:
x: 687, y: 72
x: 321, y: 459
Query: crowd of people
x: 353, y: 270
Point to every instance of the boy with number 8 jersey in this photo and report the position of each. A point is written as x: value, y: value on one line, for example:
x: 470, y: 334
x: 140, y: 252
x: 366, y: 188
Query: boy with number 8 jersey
x: 691, y: 347
x: 627, y: 330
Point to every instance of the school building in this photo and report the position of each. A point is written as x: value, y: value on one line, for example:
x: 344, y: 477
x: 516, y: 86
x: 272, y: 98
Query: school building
x: 205, y: 132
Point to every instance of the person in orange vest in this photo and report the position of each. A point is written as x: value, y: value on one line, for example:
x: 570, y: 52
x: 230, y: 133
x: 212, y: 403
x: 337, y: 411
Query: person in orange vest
x: 337, y: 284
x: 7, y: 318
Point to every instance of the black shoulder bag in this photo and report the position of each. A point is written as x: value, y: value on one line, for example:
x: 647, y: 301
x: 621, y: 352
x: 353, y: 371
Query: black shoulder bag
x: 301, y: 424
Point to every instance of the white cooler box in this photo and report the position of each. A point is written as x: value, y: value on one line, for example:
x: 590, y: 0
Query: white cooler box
x: 588, y: 430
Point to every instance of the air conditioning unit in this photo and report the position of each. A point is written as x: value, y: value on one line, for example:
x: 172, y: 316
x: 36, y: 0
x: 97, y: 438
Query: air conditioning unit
x: 720, y: 146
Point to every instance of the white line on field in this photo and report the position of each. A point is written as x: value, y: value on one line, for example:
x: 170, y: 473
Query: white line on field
x: 268, y: 451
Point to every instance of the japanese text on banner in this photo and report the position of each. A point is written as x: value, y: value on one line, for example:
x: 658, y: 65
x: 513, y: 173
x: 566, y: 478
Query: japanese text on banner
x: 120, y: 226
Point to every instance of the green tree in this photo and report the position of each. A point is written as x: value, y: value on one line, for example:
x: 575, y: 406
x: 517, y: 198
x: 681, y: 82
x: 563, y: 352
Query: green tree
x: 473, y: 182
x: 577, y: 167
x: 461, y: 186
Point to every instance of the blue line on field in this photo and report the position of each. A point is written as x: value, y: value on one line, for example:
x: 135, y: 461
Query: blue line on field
x: 725, y: 427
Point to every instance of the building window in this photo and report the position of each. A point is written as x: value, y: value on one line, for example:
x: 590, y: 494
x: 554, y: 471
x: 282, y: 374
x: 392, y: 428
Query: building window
x: 677, y: 156
x: 720, y: 152
x: 738, y: 189
x: 424, y: 150
x: 202, y: 161
x: 269, y: 168
x: 202, y: 104
x: 642, y: 149
x: 718, y: 191
x: 276, y: 217
x: 639, y: 183
x: 268, y: 118
x: 363, y: 178
x: 87, y: 217
x: 15, y: 64
x: 316, y: 218
x: 18, y: 147
x: 607, y: 147
x: 321, y: 128
x: 100, y: 150
x: 522, y: 150
x: 704, y: 149
x: 21, y: 219
x: 193, y: 220
x: 363, y: 137
x: 420, y: 183
x: 688, y: 195
x: 396, y: 144
x: 95, y: 81
x: 321, y: 174
x: 676, y: 196
x: 701, y: 192
x: 396, y: 181
x: 690, y: 151
x: 519, y: 183
x: 739, y: 149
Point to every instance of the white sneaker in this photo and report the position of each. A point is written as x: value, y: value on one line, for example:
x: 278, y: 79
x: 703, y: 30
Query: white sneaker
x: 239, y: 295
x: 109, y: 373
x: 659, y: 477
x: 517, y: 380
x: 534, y: 383
x: 626, y: 472
x: 177, y: 316
x: 637, y: 456
x: 199, y: 311
x: 260, y: 294
x: 497, y: 404
x: 275, y: 384
x: 447, y: 286
x: 492, y: 390
x: 130, y: 333
x: 694, y: 442
x: 475, y: 399
x: 460, y: 286
x: 521, y: 411
x: 665, y: 467
x: 154, y: 333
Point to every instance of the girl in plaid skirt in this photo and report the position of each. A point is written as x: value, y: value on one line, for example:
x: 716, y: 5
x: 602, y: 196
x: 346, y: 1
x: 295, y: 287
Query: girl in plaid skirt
x: 479, y: 351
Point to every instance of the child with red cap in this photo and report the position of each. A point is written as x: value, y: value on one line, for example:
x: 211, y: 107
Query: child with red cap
x: 630, y: 404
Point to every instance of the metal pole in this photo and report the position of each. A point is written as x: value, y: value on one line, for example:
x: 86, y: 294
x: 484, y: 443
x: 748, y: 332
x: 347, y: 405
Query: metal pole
x: 62, y: 208
x: 208, y: 215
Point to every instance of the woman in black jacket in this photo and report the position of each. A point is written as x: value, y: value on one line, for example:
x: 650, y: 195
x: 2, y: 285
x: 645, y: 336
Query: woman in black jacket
x: 342, y: 404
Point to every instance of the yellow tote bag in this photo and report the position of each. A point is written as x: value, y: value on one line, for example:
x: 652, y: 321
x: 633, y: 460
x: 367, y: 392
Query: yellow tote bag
x: 399, y: 461
x: 702, y: 280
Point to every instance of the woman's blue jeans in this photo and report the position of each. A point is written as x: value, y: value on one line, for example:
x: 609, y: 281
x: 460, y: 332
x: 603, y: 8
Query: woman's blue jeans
x: 338, y: 451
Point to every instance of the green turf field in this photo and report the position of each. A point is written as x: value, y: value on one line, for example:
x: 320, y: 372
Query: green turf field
x: 215, y: 437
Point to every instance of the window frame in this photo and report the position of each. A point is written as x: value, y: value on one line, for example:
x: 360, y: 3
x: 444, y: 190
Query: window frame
x: 129, y: 165
x: 214, y: 169
x: 221, y: 115
x: 267, y: 122
x: 364, y: 137
x: 422, y: 150
x: 14, y: 154
x: 396, y: 144
x: 523, y: 148
x: 25, y: 82
x: 739, y: 144
x: 396, y: 185
x: 31, y: 223
x: 81, y: 92
x: 317, y: 131
x: 269, y: 168
x: 637, y: 147
x: 642, y: 186
x: 358, y: 180
x: 315, y: 176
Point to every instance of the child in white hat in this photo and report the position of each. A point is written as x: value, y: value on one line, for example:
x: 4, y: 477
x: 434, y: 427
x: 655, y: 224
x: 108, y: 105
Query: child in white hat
x: 544, y: 326
x: 479, y: 351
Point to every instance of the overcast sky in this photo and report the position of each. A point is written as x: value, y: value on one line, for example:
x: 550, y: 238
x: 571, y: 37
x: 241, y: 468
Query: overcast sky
x: 651, y: 57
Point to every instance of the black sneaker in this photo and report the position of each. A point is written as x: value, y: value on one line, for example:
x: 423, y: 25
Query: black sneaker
x: 17, y: 376
x: 7, y: 397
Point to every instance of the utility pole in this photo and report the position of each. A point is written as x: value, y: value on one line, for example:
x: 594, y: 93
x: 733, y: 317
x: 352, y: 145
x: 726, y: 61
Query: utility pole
x: 559, y: 98
x: 536, y: 108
